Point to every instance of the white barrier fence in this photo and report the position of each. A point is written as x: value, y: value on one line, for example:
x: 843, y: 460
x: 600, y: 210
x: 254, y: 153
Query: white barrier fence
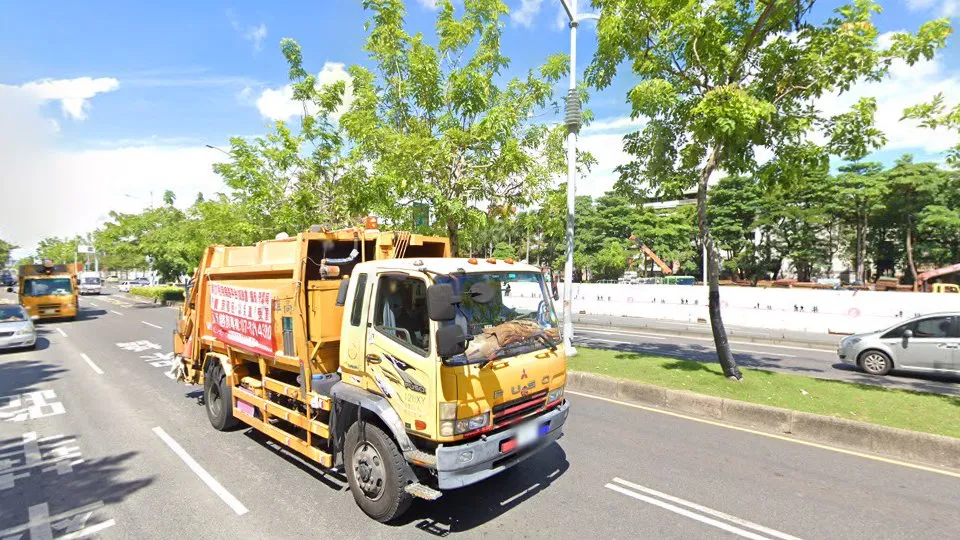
x: 804, y: 310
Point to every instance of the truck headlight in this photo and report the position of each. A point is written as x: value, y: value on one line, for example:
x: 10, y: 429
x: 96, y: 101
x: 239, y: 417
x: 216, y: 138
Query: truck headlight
x: 473, y: 423
x: 554, y: 395
x: 448, y: 411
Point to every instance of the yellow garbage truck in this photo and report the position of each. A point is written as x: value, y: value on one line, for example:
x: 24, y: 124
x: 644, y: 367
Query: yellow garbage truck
x: 379, y: 353
x: 49, y: 291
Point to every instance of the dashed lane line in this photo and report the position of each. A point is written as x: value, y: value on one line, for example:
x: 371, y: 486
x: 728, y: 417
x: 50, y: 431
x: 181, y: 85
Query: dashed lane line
x: 153, y: 325
x: 62, y: 333
x: 210, y: 481
x: 116, y: 313
x: 90, y: 363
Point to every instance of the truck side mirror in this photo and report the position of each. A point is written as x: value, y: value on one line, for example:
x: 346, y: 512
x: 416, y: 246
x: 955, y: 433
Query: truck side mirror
x: 440, y: 302
x: 451, y: 341
x: 342, y: 292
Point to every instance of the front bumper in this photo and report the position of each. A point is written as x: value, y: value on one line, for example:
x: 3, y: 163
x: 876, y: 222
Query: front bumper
x: 466, y: 464
x: 15, y: 342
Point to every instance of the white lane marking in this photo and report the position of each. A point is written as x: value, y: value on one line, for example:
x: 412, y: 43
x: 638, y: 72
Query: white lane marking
x: 765, y: 353
x: 62, y: 333
x: 151, y: 324
x: 89, y: 531
x: 90, y: 363
x: 686, y: 513
x: 710, y: 339
x: 772, y: 435
x: 116, y: 312
x: 605, y: 333
x: 210, y: 481
x: 93, y: 305
x: 709, y: 511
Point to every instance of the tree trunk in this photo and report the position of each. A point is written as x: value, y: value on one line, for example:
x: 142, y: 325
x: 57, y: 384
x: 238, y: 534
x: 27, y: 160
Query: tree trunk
x: 910, y: 263
x: 859, y: 255
x: 724, y: 356
x: 453, y: 234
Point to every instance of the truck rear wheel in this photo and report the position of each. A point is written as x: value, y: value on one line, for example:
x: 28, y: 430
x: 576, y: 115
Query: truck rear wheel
x: 376, y: 471
x: 218, y: 397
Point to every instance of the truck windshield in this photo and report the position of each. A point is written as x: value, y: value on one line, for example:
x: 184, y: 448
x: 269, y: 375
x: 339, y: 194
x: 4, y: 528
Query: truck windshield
x: 91, y: 281
x: 47, y: 287
x: 520, y: 318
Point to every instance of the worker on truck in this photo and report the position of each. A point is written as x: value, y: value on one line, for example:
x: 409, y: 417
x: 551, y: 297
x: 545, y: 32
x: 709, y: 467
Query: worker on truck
x: 345, y: 347
x: 49, y: 291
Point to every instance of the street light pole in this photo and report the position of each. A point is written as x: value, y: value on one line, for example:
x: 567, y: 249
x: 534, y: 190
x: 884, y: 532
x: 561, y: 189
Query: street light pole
x: 573, y: 121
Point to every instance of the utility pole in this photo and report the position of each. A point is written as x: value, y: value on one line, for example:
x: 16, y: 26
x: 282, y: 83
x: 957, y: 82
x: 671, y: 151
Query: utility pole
x: 573, y: 120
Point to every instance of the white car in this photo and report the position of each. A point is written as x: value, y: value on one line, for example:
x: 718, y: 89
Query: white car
x: 125, y: 286
x: 16, y: 328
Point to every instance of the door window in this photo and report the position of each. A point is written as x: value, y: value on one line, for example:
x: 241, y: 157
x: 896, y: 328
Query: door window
x: 401, y: 312
x: 358, y: 300
x: 934, y: 327
x: 897, y: 332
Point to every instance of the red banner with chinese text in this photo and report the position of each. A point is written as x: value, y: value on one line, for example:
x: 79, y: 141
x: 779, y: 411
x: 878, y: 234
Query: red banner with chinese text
x: 243, y: 317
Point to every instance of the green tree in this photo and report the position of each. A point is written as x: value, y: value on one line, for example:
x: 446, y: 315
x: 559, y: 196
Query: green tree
x: 58, y: 250
x: 441, y: 124
x: 610, y: 261
x: 29, y: 259
x: 936, y: 114
x: 717, y: 78
x: 5, y: 249
x: 734, y: 204
x: 862, y: 192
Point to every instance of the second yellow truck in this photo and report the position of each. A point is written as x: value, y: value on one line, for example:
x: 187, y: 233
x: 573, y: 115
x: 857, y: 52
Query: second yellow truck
x: 378, y: 352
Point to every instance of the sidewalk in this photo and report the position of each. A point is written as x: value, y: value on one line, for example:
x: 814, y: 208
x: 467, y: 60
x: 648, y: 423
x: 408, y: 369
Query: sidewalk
x: 757, y: 335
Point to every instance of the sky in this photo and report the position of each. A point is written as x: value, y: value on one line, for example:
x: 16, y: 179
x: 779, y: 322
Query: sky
x: 105, y: 105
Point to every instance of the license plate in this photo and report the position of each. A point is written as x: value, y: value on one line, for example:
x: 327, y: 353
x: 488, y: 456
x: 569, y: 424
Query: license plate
x: 527, y: 434
x: 49, y: 311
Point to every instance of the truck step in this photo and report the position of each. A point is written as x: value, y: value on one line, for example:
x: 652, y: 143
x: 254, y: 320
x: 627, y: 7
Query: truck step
x: 423, y: 492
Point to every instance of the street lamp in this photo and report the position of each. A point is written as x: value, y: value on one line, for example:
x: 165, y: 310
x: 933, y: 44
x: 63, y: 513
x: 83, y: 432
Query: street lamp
x: 573, y: 121
x: 218, y: 149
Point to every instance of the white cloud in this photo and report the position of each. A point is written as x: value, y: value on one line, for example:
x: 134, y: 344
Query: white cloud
x: 620, y: 123
x: 429, y: 4
x: 50, y: 191
x: 278, y: 104
x: 525, y: 13
x: 608, y: 151
x: 73, y: 94
x: 256, y: 35
x: 253, y: 34
x: 906, y: 86
x: 942, y: 8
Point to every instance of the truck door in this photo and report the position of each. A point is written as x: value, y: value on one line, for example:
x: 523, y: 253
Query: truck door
x: 353, y: 336
x: 399, y: 363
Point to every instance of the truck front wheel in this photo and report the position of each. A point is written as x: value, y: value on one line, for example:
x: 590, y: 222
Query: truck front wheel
x: 218, y: 397
x: 376, y: 471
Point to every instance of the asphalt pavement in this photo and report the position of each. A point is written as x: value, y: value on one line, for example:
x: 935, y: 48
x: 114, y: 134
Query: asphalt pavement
x: 95, y: 440
x: 812, y: 360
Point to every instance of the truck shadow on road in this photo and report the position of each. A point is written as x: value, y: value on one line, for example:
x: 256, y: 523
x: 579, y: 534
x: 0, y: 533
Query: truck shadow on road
x: 465, y: 509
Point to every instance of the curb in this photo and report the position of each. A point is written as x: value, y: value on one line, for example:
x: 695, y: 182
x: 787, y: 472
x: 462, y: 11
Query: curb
x: 935, y: 450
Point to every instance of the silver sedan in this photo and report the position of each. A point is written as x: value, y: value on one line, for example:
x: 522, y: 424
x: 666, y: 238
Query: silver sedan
x: 16, y: 328
x: 929, y: 343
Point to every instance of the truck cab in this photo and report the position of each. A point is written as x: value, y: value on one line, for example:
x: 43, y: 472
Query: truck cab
x: 467, y: 352
x: 90, y: 283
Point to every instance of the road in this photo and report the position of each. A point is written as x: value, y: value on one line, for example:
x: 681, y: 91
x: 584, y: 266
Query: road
x: 813, y: 361
x: 96, y: 440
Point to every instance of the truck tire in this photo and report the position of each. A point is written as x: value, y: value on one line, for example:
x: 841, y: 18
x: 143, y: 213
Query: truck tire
x: 377, y: 472
x: 218, y: 396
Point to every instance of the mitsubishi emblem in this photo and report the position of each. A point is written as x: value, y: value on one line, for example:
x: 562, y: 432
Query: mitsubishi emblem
x: 524, y: 375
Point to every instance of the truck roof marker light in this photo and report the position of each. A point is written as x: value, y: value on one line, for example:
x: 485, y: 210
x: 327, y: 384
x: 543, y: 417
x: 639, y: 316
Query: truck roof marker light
x: 491, y: 260
x: 371, y: 223
x: 472, y: 261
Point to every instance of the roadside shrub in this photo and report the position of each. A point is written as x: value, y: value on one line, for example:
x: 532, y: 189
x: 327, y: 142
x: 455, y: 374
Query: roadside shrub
x: 159, y: 293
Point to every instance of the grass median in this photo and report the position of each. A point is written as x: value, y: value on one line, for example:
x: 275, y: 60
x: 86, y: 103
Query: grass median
x: 917, y: 411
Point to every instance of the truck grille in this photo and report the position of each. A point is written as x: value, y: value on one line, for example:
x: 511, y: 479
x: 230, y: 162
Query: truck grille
x: 513, y: 411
